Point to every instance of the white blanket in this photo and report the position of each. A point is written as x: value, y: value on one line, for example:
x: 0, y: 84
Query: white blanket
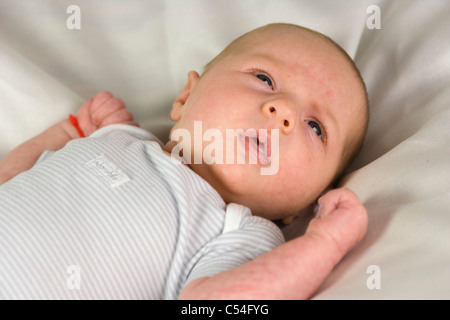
x: 142, y: 51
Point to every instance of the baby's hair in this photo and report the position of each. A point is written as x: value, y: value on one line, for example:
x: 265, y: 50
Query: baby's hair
x: 355, y: 142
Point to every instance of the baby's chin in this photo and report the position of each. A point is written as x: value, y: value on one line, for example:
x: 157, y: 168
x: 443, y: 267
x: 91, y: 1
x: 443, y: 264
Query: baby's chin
x: 280, y: 208
x: 230, y: 180
x: 273, y: 212
x: 244, y: 185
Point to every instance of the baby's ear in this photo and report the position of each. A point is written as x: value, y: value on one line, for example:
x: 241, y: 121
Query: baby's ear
x: 180, y: 101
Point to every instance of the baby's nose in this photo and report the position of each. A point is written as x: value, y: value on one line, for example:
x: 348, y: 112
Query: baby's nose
x: 283, y: 115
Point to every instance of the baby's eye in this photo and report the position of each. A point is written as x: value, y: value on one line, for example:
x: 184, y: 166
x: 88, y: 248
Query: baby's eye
x: 316, y: 128
x: 265, y: 79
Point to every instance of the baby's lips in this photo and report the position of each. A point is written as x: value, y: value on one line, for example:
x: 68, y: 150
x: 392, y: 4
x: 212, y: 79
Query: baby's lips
x: 263, y: 159
x: 266, y: 140
x: 264, y: 149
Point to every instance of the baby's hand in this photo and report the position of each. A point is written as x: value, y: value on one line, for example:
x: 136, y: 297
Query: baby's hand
x: 341, y: 219
x: 103, y: 109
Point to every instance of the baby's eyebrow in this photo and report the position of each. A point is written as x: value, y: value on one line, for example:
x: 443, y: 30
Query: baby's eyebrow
x: 265, y: 59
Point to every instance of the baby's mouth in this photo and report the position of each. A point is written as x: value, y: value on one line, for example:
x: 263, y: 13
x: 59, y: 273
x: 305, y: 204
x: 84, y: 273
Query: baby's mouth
x: 257, y: 146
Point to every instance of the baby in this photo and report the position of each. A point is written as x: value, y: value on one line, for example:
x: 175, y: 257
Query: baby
x: 135, y: 222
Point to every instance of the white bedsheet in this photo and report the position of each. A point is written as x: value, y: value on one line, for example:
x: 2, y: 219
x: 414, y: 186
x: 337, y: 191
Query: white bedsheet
x: 142, y: 51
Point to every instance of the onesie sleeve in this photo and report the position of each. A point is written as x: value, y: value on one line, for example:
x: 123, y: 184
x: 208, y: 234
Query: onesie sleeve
x: 44, y: 155
x: 245, y: 238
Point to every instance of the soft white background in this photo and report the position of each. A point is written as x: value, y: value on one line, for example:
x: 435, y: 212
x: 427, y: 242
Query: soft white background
x: 142, y: 50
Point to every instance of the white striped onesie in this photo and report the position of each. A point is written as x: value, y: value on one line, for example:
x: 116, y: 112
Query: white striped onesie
x: 112, y: 217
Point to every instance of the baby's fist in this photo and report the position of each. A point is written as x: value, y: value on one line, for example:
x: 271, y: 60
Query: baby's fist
x: 102, y: 110
x: 341, y: 218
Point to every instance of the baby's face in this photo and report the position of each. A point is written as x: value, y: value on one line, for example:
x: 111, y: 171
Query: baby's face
x: 295, y: 84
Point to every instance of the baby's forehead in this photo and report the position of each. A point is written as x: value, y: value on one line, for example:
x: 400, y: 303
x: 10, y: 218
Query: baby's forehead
x: 301, y: 46
x: 288, y: 35
x: 297, y: 51
x: 279, y: 40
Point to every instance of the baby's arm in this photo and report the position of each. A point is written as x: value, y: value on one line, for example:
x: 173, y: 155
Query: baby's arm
x: 101, y: 110
x: 296, y: 269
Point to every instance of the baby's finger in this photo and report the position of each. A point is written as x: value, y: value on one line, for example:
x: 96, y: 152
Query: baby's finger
x: 99, y: 99
x: 338, y: 198
x: 120, y: 116
x: 108, y: 108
